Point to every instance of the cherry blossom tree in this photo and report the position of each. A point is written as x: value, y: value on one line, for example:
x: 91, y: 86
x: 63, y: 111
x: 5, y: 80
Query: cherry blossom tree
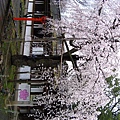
x: 93, y: 29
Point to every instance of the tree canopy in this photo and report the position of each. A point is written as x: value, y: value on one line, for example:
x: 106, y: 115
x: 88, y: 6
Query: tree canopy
x: 94, y: 28
x: 92, y: 91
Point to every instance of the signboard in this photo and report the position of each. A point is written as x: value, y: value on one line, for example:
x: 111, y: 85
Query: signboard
x: 24, y: 92
x: 23, y: 75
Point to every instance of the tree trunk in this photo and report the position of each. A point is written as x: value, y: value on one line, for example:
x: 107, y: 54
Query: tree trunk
x: 46, y: 61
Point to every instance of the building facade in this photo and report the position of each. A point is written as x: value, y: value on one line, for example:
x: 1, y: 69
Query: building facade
x: 38, y: 41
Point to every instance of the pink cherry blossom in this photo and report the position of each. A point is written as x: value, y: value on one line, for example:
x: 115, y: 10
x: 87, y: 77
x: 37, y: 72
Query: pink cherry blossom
x: 24, y: 94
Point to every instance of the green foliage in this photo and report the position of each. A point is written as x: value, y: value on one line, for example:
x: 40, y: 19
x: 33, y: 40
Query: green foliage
x: 117, y: 81
x: 113, y: 85
x: 108, y: 116
x: 118, y: 117
x: 116, y: 91
x: 107, y: 112
x: 109, y: 81
x: 1, y: 100
x: 105, y: 115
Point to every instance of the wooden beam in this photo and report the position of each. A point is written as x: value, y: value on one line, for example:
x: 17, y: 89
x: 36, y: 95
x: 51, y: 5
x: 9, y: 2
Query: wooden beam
x: 21, y: 103
x: 21, y: 72
x: 45, y: 39
x: 28, y: 81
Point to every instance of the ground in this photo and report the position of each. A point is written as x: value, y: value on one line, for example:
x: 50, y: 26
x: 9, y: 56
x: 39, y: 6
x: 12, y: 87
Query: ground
x: 9, y: 47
